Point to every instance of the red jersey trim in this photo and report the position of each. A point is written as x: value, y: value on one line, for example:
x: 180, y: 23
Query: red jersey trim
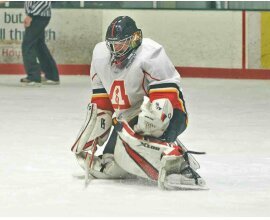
x: 170, y: 93
x: 103, y: 102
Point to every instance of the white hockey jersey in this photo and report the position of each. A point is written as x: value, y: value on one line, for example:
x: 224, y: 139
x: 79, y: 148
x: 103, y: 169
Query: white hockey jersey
x: 124, y: 89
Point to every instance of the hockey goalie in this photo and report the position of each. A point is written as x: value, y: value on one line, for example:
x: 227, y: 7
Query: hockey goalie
x: 137, y: 111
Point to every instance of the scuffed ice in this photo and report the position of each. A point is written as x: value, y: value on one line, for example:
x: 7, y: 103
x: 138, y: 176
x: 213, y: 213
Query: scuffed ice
x: 39, y: 176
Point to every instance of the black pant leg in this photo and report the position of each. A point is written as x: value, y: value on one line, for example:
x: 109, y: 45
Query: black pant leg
x: 47, y: 63
x: 29, y: 47
x: 110, y: 146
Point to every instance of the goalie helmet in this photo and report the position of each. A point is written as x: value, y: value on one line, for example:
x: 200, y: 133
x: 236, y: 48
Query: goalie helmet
x: 123, y: 37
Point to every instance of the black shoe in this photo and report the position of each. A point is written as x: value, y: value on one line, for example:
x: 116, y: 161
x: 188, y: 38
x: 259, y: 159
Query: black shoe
x: 28, y: 82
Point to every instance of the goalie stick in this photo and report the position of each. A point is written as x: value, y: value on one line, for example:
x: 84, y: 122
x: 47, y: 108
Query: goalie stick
x: 187, y: 154
x: 88, y: 163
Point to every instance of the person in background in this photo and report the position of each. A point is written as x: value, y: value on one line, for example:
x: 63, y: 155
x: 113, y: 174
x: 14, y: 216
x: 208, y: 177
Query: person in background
x: 38, y: 15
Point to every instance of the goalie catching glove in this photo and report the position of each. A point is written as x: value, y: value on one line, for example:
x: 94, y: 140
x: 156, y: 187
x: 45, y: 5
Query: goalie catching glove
x: 154, y: 118
x: 95, y: 130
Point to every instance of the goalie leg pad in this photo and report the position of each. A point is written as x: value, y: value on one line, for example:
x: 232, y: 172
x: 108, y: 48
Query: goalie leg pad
x: 86, y: 129
x: 111, y: 168
x: 96, y: 129
x: 155, y: 160
x: 169, y: 165
x: 141, y: 156
x: 103, y: 167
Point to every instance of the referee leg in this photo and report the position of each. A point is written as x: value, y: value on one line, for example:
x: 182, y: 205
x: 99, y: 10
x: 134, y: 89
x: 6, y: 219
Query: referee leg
x: 29, y: 45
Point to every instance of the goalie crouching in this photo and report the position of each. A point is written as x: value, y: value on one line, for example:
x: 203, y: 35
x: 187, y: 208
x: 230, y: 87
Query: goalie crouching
x: 135, y: 84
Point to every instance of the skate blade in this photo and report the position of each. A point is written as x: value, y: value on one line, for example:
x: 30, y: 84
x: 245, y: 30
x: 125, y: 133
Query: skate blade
x: 185, y: 187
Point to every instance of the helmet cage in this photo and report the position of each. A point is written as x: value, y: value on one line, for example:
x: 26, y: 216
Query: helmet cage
x: 115, y: 46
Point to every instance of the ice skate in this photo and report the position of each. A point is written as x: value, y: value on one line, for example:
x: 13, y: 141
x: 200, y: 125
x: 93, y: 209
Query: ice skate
x: 187, y: 179
x: 173, y: 177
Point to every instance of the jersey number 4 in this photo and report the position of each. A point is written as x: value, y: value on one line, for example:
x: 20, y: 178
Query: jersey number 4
x: 118, y: 96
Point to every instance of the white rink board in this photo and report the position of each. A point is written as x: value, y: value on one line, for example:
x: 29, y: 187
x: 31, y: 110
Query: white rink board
x: 191, y: 38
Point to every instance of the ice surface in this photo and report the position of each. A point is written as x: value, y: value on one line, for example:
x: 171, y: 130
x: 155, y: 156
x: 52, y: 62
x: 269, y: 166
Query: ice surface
x: 39, y: 176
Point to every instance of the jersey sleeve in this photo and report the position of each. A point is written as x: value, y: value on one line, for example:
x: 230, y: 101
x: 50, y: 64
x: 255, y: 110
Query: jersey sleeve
x: 99, y: 93
x: 163, y: 80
